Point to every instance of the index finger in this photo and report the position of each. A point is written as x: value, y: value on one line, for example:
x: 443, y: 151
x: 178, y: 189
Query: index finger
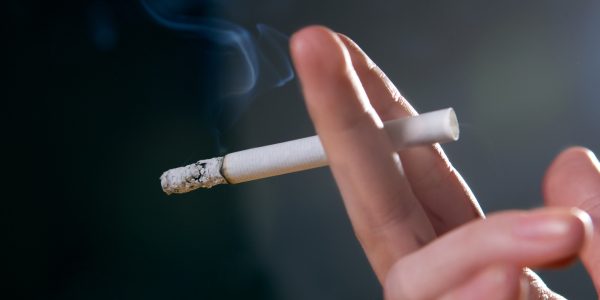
x: 387, y: 218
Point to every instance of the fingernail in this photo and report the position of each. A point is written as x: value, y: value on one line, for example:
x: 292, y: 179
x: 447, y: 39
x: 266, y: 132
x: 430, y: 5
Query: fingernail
x: 545, y: 225
x: 588, y: 226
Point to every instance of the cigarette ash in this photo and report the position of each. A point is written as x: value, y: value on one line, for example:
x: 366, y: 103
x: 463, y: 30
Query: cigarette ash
x: 202, y: 174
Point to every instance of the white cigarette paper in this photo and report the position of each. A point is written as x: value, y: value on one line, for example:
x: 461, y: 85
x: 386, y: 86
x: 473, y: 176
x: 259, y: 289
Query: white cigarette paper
x: 297, y: 155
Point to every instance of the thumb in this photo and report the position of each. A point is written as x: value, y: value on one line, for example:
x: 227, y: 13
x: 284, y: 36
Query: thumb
x: 573, y: 180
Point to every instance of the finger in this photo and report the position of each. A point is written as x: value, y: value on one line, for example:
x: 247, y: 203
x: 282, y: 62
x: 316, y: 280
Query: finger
x: 516, y: 238
x: 443, y: 193
x: 386, y: 216
x: 498, y: 282
x: 573, y: 179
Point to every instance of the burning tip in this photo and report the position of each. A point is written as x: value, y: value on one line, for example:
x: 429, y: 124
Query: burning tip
x: 202, y: 174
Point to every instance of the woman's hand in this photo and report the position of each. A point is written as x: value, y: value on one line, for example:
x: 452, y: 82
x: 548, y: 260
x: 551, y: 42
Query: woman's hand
x: 417, y: 221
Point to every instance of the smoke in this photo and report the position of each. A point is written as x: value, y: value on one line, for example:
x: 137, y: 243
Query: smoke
x: 252, y: 63
x: 102, y: 26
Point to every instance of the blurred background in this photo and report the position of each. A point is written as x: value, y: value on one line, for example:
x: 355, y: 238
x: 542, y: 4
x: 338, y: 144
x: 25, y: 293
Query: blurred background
x: 102, y: 96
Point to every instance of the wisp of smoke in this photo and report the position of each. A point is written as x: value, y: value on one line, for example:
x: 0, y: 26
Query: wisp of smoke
x: 255, y: 63
x: 102, y: 26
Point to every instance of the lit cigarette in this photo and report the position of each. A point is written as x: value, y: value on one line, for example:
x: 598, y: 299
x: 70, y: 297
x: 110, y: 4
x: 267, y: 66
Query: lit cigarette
x: 298, y: 155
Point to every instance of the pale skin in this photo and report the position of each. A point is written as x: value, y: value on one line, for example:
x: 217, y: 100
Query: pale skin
x: 416, y: 219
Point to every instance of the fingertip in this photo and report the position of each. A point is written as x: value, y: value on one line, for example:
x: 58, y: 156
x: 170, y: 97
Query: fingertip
x: 575, y: 239
x: 301, y: 40
x: 573, y: 156
x: 362, y: 63
x: 318, y: 49
x: 349, y: 43
x: 329, y: 82
x: 581, y: 228
x: 587, y: 228
x: 573, y: 176
x: 563, y: 231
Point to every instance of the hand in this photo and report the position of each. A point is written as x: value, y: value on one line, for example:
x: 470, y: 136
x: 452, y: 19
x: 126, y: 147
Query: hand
x: 417, y: 221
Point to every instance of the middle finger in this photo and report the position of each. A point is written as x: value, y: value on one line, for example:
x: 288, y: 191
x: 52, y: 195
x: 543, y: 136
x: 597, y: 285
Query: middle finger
x: 441, y: 190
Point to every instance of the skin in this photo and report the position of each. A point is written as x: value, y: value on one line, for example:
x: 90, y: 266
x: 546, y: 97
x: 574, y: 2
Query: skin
x: 416, y: 219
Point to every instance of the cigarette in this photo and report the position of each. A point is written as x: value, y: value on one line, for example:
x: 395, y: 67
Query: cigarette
x: 439, y: 126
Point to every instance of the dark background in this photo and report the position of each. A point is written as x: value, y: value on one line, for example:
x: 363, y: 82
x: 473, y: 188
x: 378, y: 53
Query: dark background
x: 99, y: 100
